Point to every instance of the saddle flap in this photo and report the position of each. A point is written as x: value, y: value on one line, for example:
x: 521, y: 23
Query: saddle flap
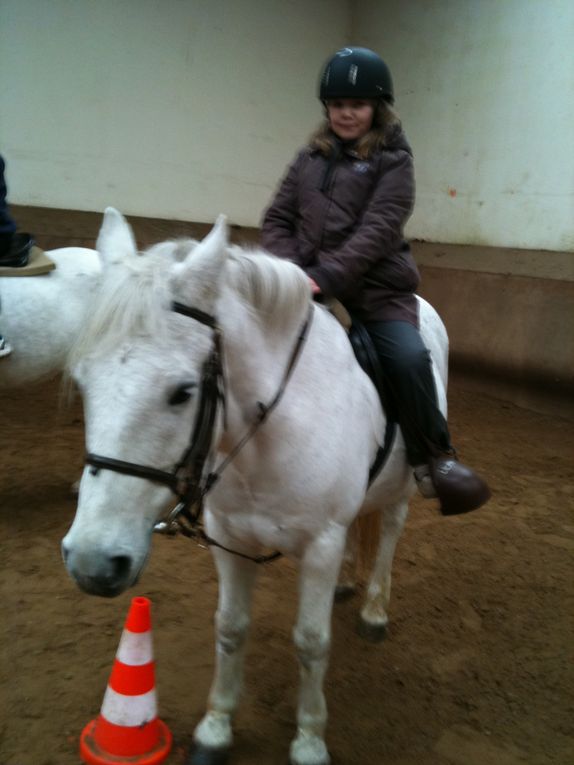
x: 367, y: 357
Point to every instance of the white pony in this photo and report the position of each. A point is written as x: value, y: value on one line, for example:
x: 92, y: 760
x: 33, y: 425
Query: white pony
x: 295, y: 484
x: 40, y: 315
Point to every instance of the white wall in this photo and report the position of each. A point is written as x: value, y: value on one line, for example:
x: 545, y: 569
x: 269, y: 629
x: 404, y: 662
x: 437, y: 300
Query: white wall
x: 185, y: 108
x: 485, y: 89
x: 168, y: 108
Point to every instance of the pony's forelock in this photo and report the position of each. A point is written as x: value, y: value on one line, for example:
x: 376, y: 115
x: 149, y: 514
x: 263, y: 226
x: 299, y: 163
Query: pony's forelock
x: 132, y: 300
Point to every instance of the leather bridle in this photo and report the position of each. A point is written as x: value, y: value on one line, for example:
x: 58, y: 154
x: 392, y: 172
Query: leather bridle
x: 189, y: 480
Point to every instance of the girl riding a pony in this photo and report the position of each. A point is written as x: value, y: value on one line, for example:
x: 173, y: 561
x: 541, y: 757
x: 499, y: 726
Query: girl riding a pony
x: 339, y: 213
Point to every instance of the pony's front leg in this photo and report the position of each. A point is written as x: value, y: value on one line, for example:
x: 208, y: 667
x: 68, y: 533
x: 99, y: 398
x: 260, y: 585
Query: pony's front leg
x: 312, y: 635
x: 213, y: 736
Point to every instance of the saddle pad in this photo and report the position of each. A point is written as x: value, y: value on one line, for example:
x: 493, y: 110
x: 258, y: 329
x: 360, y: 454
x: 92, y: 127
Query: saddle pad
x: 38, y: 263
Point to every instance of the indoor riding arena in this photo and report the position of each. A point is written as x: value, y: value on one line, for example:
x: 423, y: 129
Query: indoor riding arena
x: 130, y: 104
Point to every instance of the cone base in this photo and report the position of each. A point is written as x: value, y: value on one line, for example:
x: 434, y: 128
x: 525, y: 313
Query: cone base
x: 92, y: 754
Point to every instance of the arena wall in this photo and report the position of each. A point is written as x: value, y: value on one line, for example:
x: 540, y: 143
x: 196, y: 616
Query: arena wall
x: 183, y: 110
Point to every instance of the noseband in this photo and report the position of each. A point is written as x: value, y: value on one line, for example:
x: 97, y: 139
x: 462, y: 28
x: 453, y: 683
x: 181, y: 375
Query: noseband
x: 189, y: 480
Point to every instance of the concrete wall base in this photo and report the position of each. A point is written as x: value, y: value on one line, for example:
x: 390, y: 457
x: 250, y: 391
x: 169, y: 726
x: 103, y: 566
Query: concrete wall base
x: 509, y: 313
x: 510, y: 320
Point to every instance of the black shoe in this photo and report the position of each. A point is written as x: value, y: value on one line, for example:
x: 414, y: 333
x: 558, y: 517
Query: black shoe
x: 458, y: 488
x: 16, y: 251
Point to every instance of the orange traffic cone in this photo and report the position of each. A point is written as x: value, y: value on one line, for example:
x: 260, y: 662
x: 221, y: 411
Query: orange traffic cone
x: 128, y: 728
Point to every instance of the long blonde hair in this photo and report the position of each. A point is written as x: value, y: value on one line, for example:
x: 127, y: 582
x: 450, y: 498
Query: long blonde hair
x: 386, y: 124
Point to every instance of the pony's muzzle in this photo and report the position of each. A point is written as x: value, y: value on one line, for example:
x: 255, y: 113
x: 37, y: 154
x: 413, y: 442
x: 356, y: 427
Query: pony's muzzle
x: 97, y: 572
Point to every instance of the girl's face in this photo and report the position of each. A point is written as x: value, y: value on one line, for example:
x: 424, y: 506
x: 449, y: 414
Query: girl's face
x: 350, y: 118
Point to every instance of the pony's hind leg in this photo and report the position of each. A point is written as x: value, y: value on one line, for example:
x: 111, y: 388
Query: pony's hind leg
x: 213, y: 736
x: 374, y: 618
x: 312, y: 637
x: 347, y: 582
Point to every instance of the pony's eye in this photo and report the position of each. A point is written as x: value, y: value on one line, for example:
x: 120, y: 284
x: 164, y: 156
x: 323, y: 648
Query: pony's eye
x: 182, y: 394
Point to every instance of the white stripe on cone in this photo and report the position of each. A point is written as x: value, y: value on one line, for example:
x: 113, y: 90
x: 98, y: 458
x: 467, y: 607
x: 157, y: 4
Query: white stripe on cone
x: 129, y: 711
x: 135, y: 648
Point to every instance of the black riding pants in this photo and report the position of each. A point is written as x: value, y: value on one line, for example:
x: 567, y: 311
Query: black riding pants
x: 410, y: 388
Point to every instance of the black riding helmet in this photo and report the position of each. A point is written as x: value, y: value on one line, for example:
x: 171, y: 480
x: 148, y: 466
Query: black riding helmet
x: 356, y: 73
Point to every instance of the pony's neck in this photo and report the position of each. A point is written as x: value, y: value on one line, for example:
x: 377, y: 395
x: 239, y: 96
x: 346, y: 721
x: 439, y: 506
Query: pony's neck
x: 256, y: 356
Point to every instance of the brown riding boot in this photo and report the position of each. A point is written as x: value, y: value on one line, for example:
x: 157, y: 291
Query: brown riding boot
x: 458, y: 488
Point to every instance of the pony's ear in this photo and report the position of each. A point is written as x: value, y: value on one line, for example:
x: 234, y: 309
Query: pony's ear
x: 214, y: 245
x: 199, y: 273
x: 115, y: 240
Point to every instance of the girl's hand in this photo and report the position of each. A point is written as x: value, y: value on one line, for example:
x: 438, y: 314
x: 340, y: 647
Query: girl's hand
x: 315, y: 289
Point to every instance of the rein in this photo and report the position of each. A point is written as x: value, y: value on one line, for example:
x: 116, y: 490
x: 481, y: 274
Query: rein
x: 188, y: 480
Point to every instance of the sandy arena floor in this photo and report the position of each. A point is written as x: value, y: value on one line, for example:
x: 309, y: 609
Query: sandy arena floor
x: 477, y: 669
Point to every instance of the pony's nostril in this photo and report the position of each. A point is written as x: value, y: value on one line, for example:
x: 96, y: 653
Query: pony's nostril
x: 121, y: 567
x: 65, y: 552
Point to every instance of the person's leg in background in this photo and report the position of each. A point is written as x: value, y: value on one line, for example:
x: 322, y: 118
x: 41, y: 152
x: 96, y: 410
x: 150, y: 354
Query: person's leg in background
x: 7, y: 231
x: 7, y: 223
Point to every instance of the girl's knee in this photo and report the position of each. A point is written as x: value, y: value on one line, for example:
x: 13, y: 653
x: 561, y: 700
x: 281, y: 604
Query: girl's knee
x: 409, y: 361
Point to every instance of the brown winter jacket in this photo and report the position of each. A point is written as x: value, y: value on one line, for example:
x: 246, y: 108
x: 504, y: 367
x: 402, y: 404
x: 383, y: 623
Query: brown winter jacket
x: 341, y: 219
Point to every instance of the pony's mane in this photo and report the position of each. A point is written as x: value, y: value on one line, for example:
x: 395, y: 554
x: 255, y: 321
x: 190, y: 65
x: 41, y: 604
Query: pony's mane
x: 277, y: 290
x: 134, y: 299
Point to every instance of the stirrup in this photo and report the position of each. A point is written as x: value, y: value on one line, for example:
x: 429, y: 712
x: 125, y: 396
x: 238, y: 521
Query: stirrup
x: 424, y: 481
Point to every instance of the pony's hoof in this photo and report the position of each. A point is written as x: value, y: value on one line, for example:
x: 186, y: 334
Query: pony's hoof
x: 344, y: 592
x: 375, y: 633
x: 203, y: 755
x: 309, y: 750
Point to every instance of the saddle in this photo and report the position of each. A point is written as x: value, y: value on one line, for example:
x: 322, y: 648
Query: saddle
x: 368, y: 358
x: 24, y: 258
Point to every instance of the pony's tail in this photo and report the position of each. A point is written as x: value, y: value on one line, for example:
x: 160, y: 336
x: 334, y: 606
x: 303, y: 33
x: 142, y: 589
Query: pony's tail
x: 368, y: 529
